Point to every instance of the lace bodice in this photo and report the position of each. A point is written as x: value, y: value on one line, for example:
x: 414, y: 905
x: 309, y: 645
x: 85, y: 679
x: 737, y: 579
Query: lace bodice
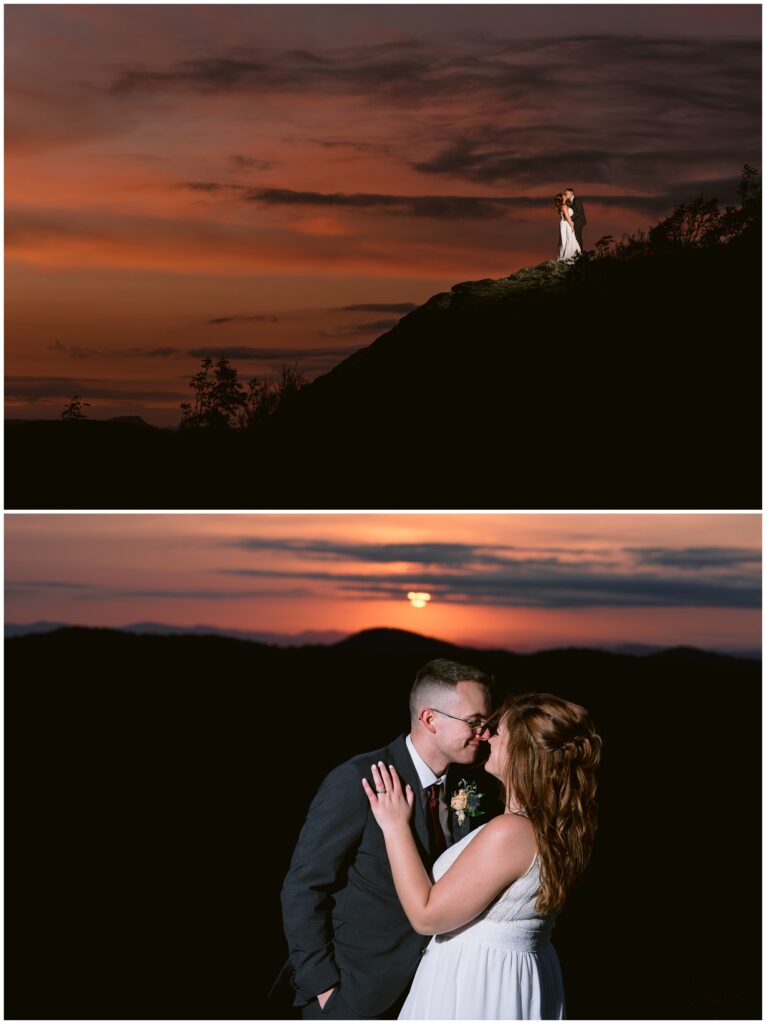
x: 514, y: 904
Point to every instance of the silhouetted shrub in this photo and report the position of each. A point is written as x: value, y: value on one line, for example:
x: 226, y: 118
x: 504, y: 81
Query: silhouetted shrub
x: 697, y: 225
x: 221, y: 402
x: 74, y: 409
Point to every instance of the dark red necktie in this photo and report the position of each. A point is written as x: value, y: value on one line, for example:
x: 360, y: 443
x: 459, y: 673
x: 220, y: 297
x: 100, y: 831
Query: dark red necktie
x: 439, y: 843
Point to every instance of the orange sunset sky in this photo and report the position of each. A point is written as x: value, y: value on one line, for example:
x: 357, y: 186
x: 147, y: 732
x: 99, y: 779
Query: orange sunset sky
x: 519, y: 581
x: 283, y: 182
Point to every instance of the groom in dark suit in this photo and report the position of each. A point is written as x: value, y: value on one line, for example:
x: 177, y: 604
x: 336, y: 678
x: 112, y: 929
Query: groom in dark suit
x: 579, y: 219
x: 353, y: 952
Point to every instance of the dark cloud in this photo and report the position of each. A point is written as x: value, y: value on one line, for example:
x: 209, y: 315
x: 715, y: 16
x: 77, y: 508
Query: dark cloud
x: 428, y: 553
x: 49, y: 585
x: 212, y: 75
x: 485, y: 156
x: 75, y: 351
x: 379, y: 149
x: 279, y: 353
x: 78, y: 352
x: 99, y: 592
x: 243, y: 162
x: 697, y: 558
x: 379, y: 307
x: 211, y: 186
x: 398, y: 70
x: 484, y: 208
x: 154, y: 353
x: 34, y: 389
x: 441, y: 207
x: 528, y: 586
x: 641, y: 115
x: 630, y: 77
x: 351, y: 330
x: 508, y: 576
x: 244, y: 319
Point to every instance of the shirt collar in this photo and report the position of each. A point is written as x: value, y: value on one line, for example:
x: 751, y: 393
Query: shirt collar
x: 426, y: 776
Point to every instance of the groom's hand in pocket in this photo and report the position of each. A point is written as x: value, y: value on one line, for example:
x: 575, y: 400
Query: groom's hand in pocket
x: 324, y: 996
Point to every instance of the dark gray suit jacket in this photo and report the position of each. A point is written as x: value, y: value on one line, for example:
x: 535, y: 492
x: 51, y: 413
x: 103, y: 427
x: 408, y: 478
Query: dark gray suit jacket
x: 578, y: 213
x: 342, y: 918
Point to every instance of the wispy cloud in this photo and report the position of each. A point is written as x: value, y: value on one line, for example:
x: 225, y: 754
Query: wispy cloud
x: 99, y: 592
x: 665, y: 95
x: 33, y: 389
x: 529, y: 587
x: 352, y: 330
x: 379, y: 307
x: 277, y: 352
x: 474, y: 573
x: 427, y: 553
x: 436, y: 206
x: 698, y: 558
x: 243, y: 162
x: 457, y: 161
x: 133, y: 352
x: 260, y: 318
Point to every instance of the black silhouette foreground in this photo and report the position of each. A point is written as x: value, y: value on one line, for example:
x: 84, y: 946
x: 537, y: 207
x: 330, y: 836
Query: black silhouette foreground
x: 155, y: 787
x: 631, y: 380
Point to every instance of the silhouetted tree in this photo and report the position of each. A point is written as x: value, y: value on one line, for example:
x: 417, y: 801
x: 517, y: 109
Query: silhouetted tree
x: 218, y: 396
x: 74, y: 409
x: 261, y: 403
x: 289, y: 384
x: 267, y: 398
x: 220, y: 400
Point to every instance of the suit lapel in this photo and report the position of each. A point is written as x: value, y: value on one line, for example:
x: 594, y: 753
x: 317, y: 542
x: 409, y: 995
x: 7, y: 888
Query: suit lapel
x: 401, y: 760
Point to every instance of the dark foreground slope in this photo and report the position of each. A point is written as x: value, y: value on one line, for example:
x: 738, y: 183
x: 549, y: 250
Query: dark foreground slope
x: 156, y: 785
x: 628, y: 386
x: 635, y: 385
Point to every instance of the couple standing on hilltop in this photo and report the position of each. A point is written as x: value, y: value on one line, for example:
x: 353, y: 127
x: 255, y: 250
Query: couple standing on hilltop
x: 572, y: 221
x: 402, y: 900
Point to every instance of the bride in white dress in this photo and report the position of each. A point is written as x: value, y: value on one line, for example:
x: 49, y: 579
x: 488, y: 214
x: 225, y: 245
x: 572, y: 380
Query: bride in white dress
x: 569, y: 247
x: 496, y: 893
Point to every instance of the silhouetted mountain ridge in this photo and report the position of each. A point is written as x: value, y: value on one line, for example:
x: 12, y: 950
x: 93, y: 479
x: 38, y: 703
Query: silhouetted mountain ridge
x: 381, y: 639
x: 616, y: 389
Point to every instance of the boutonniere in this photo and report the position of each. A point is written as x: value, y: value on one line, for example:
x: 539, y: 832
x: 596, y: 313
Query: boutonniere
x: 466, y: 801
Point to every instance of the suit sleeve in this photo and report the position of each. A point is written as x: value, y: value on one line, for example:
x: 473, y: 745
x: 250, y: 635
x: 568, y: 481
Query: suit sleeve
x: 326, y: 846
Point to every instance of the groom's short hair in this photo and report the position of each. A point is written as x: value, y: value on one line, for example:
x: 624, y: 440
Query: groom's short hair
x: 439, y: 676
x: 569, y: 189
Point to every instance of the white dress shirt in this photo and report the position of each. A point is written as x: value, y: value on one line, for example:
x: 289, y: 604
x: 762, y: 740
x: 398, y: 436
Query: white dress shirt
x: 427, y: 779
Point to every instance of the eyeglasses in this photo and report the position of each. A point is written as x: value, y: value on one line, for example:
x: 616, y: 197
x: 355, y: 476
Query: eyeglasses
x: 475, y: 723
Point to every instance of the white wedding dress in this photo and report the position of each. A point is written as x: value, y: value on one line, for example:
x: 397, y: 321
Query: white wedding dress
x: 569, y: 247
x: 501, y: 966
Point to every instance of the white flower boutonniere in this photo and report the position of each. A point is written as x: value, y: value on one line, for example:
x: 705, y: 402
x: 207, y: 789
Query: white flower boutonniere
x: 465, y: 801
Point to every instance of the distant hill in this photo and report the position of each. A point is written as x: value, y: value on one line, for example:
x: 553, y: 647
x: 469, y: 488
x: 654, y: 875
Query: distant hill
x: 307, y: 637
x: 400, y: 640
x: 545, y: 389
x: 131, y: 421
x: 155, y: 786
x: 378, y: 639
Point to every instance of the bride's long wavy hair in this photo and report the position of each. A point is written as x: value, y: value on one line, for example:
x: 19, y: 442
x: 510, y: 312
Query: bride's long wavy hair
x: 559, y: 201
x: 553, y: 755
